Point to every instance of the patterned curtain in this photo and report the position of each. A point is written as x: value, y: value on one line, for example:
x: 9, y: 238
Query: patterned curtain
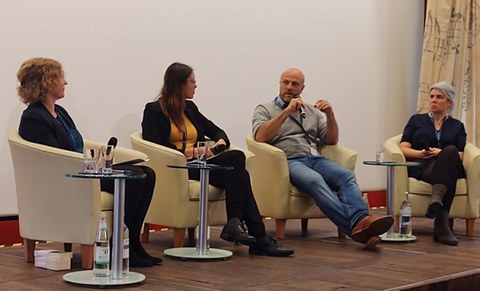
x: 451, y: 53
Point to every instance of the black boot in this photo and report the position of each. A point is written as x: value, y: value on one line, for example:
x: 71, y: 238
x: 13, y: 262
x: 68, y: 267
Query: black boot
x: 140, y: 251
x: 435, y: 205
x: 441, y: 230
x: 137, y: 261
x: 235, y: 231
x: 267, y: 246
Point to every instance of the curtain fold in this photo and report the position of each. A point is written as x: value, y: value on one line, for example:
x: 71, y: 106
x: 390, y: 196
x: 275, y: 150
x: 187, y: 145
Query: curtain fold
x: 451, y: 53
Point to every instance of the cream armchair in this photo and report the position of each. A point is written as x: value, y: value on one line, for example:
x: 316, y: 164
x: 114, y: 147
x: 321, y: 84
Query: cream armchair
x: 465, y: 204
x: 52, y: 207
x: 175, y: 199
x: 275, y: 195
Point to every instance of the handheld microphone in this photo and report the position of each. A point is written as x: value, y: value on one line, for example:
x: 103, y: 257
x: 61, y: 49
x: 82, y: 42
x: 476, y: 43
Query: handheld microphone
x: 113, y: 142
x: 302, y: 112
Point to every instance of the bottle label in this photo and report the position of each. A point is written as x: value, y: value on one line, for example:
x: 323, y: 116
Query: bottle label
x: 406, y: 219
x: 126, y: 247
x: 405, y: 229
x: 102, y: 255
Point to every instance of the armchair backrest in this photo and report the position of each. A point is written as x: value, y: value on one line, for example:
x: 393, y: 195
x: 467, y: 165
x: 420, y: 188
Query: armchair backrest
x: 341, y: 155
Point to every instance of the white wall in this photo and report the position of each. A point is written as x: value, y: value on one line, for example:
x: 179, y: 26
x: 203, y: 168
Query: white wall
x: 363, y: 56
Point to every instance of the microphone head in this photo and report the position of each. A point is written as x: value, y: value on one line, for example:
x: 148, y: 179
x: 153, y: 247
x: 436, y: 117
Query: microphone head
x: 112, y: 141
x: 302, y: 113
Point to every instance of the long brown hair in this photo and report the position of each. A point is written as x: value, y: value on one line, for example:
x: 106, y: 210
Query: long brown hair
x: 171, y: 96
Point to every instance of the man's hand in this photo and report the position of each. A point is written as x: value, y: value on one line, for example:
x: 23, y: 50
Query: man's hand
x: 332, y: 127
x: 324, y: 106
x: 294, y: 105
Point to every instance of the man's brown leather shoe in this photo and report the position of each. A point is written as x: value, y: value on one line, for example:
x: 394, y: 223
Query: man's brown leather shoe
x: 371, y: 226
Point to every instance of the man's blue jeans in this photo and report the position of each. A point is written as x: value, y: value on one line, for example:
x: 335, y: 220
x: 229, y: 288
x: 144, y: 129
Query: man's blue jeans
x: 334, y: 189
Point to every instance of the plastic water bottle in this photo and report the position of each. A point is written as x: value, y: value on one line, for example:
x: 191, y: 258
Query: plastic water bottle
x: 405, y: 227
x: 365, y: 199
x: 126, y: 252
x: 101, y: 264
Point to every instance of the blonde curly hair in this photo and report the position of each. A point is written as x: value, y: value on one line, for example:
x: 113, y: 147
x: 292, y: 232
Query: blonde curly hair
x: 36, y: 77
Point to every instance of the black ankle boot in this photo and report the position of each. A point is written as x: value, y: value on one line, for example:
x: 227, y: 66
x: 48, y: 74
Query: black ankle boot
x: 235, y: 231
x: 267, y: 246
x: 435, y: 205
x: 137, y: 261
x: 140, y: 251
x: 441, y: 230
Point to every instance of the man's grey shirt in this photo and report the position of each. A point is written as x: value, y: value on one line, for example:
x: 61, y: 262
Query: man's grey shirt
x: 291, y: 138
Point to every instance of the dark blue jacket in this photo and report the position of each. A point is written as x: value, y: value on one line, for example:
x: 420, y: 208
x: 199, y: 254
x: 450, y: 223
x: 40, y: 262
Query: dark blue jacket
x: 39, y: 126
x: 420, y: 133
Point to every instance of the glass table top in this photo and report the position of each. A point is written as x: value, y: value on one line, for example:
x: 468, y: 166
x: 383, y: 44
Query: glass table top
x: 387, y: 163
x: 196, y: 165
x: 115, y: 174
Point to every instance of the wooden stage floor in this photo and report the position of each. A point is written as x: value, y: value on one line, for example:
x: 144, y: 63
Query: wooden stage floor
x: 321, y: 262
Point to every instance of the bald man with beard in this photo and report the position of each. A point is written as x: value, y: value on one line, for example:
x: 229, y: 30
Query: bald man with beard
x: 298, y: 129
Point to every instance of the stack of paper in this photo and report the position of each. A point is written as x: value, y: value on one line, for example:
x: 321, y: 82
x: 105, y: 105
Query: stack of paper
x: 53, y: 259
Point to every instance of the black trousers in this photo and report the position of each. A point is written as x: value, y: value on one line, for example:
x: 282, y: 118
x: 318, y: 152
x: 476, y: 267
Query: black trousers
x: 138, y: 195
x: 240, y: 202
x: 445, y: 170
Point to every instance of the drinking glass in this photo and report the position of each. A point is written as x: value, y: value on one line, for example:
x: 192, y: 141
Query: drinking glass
x: 90, y: 159
x: 202, y: 151
x: 107, y: 158
x: 379, y: 154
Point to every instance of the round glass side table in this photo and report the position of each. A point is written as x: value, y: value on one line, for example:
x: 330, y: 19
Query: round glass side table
x: 116, y: 278
x: 202, y: 252
x: 390, y: 235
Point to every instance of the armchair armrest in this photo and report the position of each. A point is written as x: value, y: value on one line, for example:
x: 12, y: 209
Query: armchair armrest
x: 471, y: 163
x: 393, y: 153
x: 341, y: 155
x: 269, y: 164
x: 392, y: 150
x: 122, y: 154
x: 248, y: 154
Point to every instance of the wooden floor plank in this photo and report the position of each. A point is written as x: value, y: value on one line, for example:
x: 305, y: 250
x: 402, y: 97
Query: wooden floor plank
x: 321, y: 262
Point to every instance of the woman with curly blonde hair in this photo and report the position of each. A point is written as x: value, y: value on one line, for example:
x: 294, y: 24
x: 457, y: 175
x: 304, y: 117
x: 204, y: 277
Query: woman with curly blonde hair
x: 42, y: 83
